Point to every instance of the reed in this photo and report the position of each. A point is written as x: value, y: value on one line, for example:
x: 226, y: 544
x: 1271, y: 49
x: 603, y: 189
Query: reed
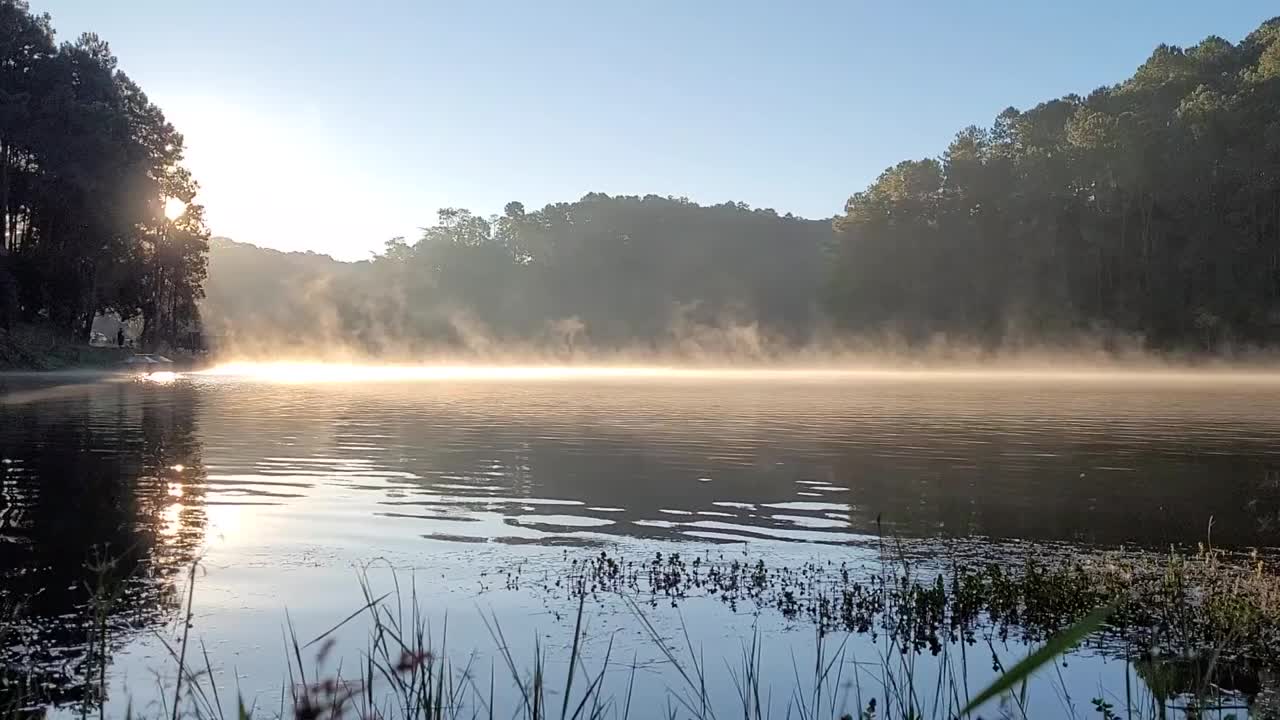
x: 1186, y: 622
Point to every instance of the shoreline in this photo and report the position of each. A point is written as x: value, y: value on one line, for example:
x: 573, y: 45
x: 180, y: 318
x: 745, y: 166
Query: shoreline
x: 38, y: 349
x: 389, y: 371
x: 37, y: 354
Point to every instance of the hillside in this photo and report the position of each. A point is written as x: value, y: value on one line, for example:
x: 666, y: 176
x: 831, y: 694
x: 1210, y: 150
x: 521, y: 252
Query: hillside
x: 603, y: 273
x: 263, y: 296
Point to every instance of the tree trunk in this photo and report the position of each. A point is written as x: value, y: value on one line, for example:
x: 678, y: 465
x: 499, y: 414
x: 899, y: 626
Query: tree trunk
x: 28, y: 232
x: 151, y: 322
x: 92, y: 304
x: 4, y: 199
x: 1275, y: 257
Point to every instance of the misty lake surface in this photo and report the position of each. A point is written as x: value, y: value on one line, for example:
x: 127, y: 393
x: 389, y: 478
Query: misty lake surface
x: 284, y: 491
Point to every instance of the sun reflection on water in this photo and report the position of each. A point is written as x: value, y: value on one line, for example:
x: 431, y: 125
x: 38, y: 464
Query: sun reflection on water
x: 171, y: 520
x: 160, y: 378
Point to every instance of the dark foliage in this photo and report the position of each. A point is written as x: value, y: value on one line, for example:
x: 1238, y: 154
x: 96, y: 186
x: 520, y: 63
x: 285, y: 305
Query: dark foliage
x: 1150, y: 208
x: 601, y: 273
x: 86, y: 165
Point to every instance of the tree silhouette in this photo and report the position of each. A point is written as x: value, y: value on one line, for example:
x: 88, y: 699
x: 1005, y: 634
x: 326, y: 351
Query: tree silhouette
x: 1150, y: 208
x: 86, y: 163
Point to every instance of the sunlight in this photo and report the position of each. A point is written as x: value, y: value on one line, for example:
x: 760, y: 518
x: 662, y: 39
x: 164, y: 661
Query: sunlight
x: 173, y: 208
x: 321, y: 372
x: 160, y: 378
x: 223, y: 522
x: 171, y: 520
x: 317, y: 372
x: 222, y: 139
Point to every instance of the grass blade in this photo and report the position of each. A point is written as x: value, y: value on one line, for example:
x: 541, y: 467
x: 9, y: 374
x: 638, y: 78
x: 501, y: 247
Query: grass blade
x: 1056, y: 646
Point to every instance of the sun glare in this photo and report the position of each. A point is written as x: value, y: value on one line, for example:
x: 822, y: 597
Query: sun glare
x: 321, y: 372
x: 304, y: 372
x: 173, y: 208
x: 160, y: 378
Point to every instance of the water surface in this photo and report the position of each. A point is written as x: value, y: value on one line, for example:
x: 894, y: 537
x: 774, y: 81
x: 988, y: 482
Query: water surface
x: 284, y: 488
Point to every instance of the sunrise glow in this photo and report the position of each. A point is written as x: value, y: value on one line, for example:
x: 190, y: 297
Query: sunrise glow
x: 322, y: 372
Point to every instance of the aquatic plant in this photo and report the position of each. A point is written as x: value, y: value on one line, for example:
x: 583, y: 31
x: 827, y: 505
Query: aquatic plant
x: 1174, y: 604
x: 1197, y: 628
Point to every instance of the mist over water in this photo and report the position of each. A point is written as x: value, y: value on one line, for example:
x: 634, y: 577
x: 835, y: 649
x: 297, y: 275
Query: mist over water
x: 1026, y: 370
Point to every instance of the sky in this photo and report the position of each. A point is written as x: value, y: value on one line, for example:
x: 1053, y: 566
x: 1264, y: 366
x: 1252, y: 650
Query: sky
x: 333, y: 126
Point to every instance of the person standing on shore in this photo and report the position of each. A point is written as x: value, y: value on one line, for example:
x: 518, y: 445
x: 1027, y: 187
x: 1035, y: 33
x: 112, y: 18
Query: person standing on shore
x: 120, y: 337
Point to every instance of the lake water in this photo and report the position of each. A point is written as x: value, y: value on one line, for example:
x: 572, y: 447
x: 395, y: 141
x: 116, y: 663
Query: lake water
x: 285, y: 488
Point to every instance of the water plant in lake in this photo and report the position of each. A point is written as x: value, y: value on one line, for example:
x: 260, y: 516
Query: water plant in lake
x: 1197, y: 628
x: 1165, y: 605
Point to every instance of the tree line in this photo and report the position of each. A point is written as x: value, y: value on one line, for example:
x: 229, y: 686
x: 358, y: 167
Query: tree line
x: 1149, y: 208
x: 601, y: 273
x: 88, y: 165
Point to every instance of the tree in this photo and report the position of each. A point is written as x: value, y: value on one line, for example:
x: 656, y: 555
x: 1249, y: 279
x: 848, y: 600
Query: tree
x: 86, y: 163
x: 1150, y: 208
x: 603, y: 272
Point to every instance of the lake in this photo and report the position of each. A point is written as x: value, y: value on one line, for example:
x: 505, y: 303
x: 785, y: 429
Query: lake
x: 480, y: 488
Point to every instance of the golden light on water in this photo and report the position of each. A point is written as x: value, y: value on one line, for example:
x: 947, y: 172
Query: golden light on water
x: 321, y: 372
x: 162, y: 378
x: 171, y: 520
x: 304, y: 372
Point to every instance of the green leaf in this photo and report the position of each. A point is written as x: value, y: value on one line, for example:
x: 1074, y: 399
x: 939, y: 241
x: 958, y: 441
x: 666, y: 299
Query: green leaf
x: 1057, y: 645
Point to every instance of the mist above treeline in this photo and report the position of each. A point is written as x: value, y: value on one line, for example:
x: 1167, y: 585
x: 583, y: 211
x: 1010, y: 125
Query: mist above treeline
x: 1143, y: 215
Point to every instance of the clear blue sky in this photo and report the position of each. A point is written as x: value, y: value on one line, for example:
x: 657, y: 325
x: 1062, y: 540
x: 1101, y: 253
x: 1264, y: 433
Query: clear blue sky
x: 334, y: 125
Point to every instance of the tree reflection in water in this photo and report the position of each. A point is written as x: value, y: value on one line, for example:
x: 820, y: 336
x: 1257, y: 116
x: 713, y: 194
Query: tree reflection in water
x: 101, y: 489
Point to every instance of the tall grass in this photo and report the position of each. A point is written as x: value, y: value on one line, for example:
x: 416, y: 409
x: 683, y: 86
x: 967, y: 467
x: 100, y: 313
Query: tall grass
x: 407, y: 672
x: 406, y: 669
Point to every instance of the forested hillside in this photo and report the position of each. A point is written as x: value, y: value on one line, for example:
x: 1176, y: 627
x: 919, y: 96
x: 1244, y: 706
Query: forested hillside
x: 603, y: 272
x: 1151, y: 207
x: 1147, y: 210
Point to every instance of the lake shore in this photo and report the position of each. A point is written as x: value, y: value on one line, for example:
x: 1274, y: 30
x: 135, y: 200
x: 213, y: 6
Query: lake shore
x: 38, y: 348
x: 35, y: 347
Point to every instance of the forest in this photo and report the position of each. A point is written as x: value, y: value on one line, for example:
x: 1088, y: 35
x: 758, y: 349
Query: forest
x: 1149, y: 208
x: 97, y: 213
x: 603, y: 273
x: 1147, y: 211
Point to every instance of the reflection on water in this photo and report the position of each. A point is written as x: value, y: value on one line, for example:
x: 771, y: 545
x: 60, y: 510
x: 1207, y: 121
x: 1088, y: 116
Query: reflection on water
x: 88, y: 498
x: 284, y: 475
x: 814, y: 461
